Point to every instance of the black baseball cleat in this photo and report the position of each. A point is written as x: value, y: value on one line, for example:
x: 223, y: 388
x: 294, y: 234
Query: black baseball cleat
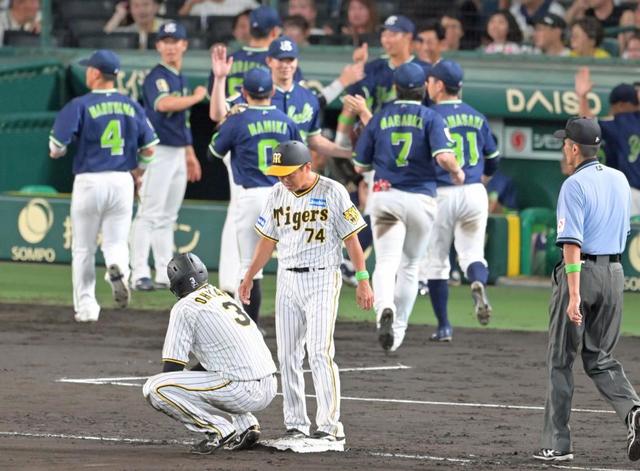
x: 330, y: 442
x: 385, y: 331
x: 633, y: 437
x: 246, y: 440
x: 294, y: 433
x: 547, y: 454
x: 210, y: 444
x: 121, y: 294
x: 481, y: 302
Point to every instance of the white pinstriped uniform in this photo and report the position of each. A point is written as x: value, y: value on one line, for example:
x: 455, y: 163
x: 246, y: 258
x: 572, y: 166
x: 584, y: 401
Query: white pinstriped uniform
x: 309, y: 228
x: 240, y: 371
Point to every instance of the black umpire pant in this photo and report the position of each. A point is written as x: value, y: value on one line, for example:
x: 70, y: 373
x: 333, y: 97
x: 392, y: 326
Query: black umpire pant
x: 601, y: 290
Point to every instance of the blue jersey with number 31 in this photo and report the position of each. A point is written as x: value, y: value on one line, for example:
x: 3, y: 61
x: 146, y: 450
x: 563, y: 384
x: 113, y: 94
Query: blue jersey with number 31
x: 473, y: 141
x: 109, y: 129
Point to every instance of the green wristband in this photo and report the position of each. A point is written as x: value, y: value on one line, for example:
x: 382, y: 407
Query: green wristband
x: 572, y: 268
x: 346, y: 120
x: 362, y: 275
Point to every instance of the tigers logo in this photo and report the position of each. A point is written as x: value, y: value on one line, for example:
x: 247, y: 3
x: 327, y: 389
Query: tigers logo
x: 35, y: 220
x: 277, y: 158
x: 352, y: 215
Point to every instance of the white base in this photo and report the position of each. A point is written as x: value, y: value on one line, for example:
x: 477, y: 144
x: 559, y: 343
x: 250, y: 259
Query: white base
x: 303, y: 445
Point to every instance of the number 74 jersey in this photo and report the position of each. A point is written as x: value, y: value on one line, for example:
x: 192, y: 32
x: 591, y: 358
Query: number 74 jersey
x: 211, y: 325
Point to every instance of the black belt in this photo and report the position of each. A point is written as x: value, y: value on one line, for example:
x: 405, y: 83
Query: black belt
x: 614, y: 258
x: 303, y: 269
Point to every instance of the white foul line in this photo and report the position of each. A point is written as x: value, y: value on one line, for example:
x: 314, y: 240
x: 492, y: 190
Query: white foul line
x: 420, y: 457
x: 581, y: 468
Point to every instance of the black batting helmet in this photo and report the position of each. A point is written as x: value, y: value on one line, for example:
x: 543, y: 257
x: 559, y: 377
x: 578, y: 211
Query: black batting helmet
x: 288, y: 157
x: 186, y: 273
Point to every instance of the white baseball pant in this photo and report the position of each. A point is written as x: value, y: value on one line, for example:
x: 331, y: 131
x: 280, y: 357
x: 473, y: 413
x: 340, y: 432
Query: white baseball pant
x: 195, y: 399
x: 249, y: 206
x: 100, y: 202
x: 306, y: 311
x: 401, y: 222
x: 462, y: 219
x: 161, y: 195
x: 229, y: 265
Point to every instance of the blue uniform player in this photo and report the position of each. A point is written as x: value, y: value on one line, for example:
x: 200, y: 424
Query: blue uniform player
x: 110, y: 131
x: 462, y: 210
x: 402, y: 143
x: 585, y: 312
x: 250, y: 134
x: 167, y: 100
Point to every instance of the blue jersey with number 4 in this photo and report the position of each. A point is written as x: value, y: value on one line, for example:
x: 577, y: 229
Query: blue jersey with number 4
x: 250, y: 136
x: 400, y: 143
x: 621, y: 137
x: 109, y: 128
x: 472, y: 138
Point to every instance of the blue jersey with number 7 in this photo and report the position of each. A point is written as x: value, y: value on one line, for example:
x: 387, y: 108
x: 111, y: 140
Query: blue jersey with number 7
x: 400, y: 143
x: 251, y: 135
x: 109, y: 129
x: 473, y: 141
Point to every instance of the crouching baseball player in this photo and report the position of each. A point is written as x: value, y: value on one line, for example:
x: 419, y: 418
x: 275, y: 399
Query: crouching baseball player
x: 235, y: 373
x: 308, y: 217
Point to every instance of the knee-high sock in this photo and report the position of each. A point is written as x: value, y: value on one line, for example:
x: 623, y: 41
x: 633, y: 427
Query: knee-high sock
x: 439, y: 295
x: 253, y: 309
x: 477, y: 271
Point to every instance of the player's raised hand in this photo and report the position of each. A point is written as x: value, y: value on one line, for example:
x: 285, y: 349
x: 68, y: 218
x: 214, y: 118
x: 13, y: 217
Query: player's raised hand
x: 244, y: 290
x: 364, y: 295
x: 220, y: 63
x: 351, y: 74
x: 361, y: 54
x: 355, y: 103
x: 583, y: 83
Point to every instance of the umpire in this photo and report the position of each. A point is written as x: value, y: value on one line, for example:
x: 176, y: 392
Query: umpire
x: 586, y: 302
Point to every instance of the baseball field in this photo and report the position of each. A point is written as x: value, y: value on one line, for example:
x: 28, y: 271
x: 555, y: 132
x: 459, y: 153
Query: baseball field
x: 71, y: 394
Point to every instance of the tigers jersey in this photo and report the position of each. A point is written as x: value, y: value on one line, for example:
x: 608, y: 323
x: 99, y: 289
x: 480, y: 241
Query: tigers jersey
x: 621, y: 136
x: 309, y: 226
x: 400, y: 143
x: 110, y: 129
x: 251, y: 135
x: 473, y: 141
x: 244, y: 60
x: 222, y: 337
x: 377, y: 85
x: 173, y: 128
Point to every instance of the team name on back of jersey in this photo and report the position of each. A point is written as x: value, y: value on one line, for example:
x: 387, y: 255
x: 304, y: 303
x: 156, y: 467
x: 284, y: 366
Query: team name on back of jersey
x: 268, y: 126
x: 401, y: 120
x: 463, y: 119
x: 111, y: 107
x: 304, y: 116
x: 241, y: 67
x: 284, y: 216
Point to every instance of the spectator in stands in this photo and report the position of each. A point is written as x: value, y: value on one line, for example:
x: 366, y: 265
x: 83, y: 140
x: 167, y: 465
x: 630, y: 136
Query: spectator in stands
x: 630, y: 23
x: 632, y: 49
x: 428, y: 43
x: 241, y: 27
x: 22, y: 15
x: 216, y: 7
x: 453, y: 31
x: 145, y: 19
x: 362, y: 21
x: 307, y: 9
x: 504, y: 33
x: 528, y: 12
x: 586, y: 36
x: 605, y: 11
x: 297, y: 28
x: 548, y: 35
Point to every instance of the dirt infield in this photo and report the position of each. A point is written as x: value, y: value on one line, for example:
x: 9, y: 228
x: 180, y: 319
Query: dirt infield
x: 420, y: 417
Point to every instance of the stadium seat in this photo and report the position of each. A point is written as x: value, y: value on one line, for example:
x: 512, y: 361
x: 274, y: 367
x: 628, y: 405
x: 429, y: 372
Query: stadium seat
x: 171, y: 8
x: 24, y: 39
x: 199, y: 41
x: 82, y: 27
x: 110, y: 41
x: 220, y: 28
x: 611, y: 46
x: 330, y: 40
x: 98, y: 9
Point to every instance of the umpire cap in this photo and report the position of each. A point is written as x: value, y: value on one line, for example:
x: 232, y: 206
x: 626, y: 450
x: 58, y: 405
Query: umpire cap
x: 581, y: 130
x: 288, y: 157
x: 186, y: 274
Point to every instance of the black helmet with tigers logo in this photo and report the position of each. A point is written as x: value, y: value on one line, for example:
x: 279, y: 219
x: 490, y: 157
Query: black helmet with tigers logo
x: 288, y: 157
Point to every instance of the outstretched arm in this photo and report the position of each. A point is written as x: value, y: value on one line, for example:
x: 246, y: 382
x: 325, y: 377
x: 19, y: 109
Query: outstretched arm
x: 583, y: 86
x: 221, y: 67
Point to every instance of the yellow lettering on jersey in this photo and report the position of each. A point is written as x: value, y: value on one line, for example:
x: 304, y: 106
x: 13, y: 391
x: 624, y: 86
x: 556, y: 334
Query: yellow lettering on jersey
x: 111, y: 107
x: 405, y: 120
x: 283, y: 216
x: 468, y: 120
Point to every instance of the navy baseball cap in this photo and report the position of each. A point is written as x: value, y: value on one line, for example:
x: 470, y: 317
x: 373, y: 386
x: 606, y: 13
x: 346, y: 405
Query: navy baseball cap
x: 585, y: 131
x: 399, y: 24
x: 449, y: 72
x: 264, y: 19
x: 283, y: 48
x: 624, y: 93
x: 172, y: 30
x: 104, y: 60
x: 409, y: 75
x: 258, y: 82
x: 552, y: 21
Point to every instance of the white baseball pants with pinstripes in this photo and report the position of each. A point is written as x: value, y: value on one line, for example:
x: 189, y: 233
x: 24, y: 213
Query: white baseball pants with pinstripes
x: 196, y: 398
x: 306, y: 310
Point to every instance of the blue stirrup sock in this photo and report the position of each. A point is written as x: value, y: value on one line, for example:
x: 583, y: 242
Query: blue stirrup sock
x: 439, y: 295
x: 478, y: 272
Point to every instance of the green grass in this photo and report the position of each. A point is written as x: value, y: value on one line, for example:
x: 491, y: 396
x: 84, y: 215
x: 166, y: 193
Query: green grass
x: 514, y: 308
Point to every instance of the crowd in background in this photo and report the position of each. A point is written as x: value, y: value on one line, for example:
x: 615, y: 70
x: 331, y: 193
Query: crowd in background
x: 578, y: 28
